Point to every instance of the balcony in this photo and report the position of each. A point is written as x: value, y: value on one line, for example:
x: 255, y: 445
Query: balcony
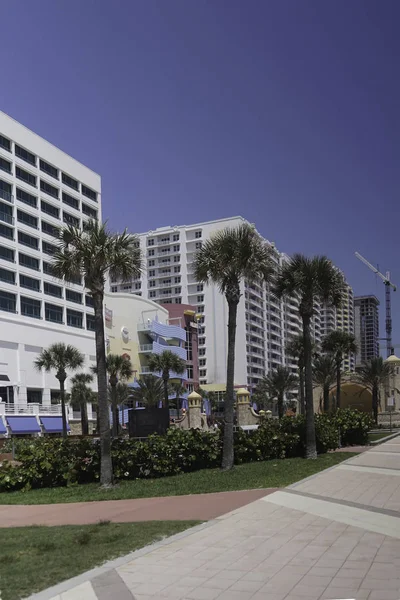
x: 6, y: 218
x: 162, y: 330
x: 20, y: 408
x: 172, y: 375
x: 6, y: 196
x: 157, y: 348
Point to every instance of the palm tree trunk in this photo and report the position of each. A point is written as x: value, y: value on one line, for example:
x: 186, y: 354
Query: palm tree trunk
x: 106, y: 471
x: 375, y: 403
x: 338, y: 382
x: 84, y: 419
x: 114, y: 408
x: 302, y: 395
x: 227, y: 453
x: 311, y: 449
x: 326, y: 398
x: 280, y: 406
x: 63, y: 413
x: 166, y: 392
x: 177, y: 405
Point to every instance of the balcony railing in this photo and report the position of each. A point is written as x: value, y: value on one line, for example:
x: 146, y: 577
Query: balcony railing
x: 6, y: 218
x: 6, y: 196
x: 20, y: 408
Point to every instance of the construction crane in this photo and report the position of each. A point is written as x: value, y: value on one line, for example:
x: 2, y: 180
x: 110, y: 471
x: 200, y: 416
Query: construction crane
x: 388, y: 284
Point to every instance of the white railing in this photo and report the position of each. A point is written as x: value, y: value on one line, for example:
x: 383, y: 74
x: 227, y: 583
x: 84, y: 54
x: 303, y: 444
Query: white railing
x: 146, y: 348
x: 20, y: 408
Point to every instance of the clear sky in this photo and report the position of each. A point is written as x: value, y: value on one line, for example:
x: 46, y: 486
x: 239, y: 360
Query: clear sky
x: 284, y: 111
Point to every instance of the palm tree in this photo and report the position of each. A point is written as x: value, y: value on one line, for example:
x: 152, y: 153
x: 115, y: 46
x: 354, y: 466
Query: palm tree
x: 372, y: 375
x: 121, y: 394
x: 324, y: 373
x: 150, y: 391
x: 226, y: 259
x: 295, y: 349
x: 177, y: 389
x: 60, y: 358
x: 81, y: 394
x: 314, y: 279
x: 97, y: 253
x: 164, y: 363
x: 119, y: 369
x: 338, y: 343
x: 279, y: 382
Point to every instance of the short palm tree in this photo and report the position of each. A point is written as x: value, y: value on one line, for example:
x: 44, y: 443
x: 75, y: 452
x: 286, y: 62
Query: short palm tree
x: 150, y: 391
x: 60, y: 358
x: 164, y: 363
x: 81, y: 394
x: 337, y: 343
x: 97, y: 253
x: 228, y: 258
x: 121, y: 393
x: 278, y: 383
x: 314, y: 279
x: 324, y: 373
x: 119, y: 370
x: 177, y: 390
x: 372, y: 376
x: 295, y: 349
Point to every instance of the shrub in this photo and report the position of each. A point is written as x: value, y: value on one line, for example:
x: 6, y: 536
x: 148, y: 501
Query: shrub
x: 51, y: 462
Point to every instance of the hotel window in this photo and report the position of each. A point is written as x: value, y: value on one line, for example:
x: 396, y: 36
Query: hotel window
x: 202, y: 362
x: 177, y: 290
x: 177, y: 258
x: 90, y: 212
x: 6, y: 232
x: 176, y: 248
x: 50, y: 229
x: 25, y: 155
x: 89, y: 300
x: 152, y: 284
x: 197, y: 234
x: 53, y: 313
x: 202, y: 351
x: 5, y: 165
x: 7, y: 276
x: 28, y: 240
x: 89, y: 193
x: 90, y: 324
x: 73, y: 296
x: 49, y: 209
x: 52, y: 290
x: 152, y: 263
x: 27, y: 219
x: 70, y: 200
x: 152, y: 273
x: 49, y: 169
x: 70, y: 219
x: 200, y: 287
x: 189, y: 369
x: 202, y: 341
x: 178, y: 300
x: 74, y: 318
x: 198, y: 245
x: 152, y: 294
x: 28, y: 199
x: 150, y: 242
x: 49, y: 189
x: 177, y: 269
x: 177, y: 280
x: 5, y: 143
x: 151, y: 252
x: 200, y: 298
x: 25, y: 176
x: 28, y: 261
x: 8, y: 302
x: 175, y: 237
x: 72, y: 183
x: 200, y: 308
x: 30, y: 307
x: 7, y: 254
x: 48, y: 248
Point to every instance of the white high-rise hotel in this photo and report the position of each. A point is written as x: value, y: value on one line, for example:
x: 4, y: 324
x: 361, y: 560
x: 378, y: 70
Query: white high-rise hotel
x: 264, y: 325
x: 41, y: 189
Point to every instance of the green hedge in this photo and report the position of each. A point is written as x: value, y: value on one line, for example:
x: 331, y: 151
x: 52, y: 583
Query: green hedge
x: 50, y: 462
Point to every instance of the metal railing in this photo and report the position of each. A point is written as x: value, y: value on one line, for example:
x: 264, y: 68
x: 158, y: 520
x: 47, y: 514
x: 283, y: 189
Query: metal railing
x: 6, y: 196
x: 6, y: 218
x: 146, y: 348
x: 31, y: 409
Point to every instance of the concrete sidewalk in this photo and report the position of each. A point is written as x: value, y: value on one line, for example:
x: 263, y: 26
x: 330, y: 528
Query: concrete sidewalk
x: 333, y: 536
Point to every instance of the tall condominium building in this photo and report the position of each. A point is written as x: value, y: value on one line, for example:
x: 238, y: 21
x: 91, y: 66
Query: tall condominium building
x: 41, y: 189
x: 340, y: 318
x: 366, y: 327
x: 264, y: 324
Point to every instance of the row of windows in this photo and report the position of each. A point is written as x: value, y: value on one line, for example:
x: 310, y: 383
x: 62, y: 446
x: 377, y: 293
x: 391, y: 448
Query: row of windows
x: 44, y: 166
x: 31, y: 221
x: 31, y: 262
x: 30, y: 307
x: 49, y: 289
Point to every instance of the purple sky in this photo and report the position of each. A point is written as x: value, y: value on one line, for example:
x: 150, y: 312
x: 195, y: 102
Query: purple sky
x: 286, y: 112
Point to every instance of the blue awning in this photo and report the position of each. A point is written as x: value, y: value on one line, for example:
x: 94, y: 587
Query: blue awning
x: 53, y: 424
x: 2, y: 427
x: 23, y: 424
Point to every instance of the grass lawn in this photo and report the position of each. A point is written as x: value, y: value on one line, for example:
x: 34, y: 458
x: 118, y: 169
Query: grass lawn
x: 35, y: 558
x: 373, y: 437
x: 273, y: 473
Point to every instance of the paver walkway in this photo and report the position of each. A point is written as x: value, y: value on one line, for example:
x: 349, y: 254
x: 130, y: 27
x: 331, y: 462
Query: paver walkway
x: 199, y: 507
x: 333, y: 536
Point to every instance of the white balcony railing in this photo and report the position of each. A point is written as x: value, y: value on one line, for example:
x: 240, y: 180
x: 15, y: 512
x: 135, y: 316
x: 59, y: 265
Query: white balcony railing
x: 20, y: 408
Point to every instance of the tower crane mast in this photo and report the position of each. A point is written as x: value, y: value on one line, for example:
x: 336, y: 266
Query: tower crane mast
x: 388, y: 284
